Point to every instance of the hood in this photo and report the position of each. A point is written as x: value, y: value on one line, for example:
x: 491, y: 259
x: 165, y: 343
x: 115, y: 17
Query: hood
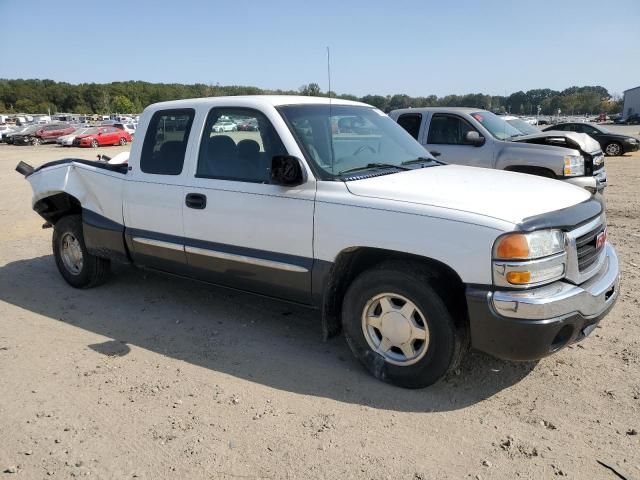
x: 580, y: 141
x: 507, y: 196
x: 86, y: 135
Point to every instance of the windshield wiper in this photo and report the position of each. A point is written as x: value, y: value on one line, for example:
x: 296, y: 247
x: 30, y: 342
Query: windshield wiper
x: 370, y: 166
x: 422, y: 160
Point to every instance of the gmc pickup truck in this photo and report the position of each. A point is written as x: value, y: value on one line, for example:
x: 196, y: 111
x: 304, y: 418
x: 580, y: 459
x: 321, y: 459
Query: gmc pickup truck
x: 414, y: 260
x: 470, y: 136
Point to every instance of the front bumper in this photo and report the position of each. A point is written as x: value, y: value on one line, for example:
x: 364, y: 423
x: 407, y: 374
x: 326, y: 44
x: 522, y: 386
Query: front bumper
x: 530, y: 324
x: 594, y: 184
x: 630, y: 147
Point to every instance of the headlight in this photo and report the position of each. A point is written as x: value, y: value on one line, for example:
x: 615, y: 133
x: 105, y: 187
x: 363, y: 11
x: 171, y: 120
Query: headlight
x: 529, y: 246
x: 573, y: 165
x: 630, y: 140
x: 529, y: 259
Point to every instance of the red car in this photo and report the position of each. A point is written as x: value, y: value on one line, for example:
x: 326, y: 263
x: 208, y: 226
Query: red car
x: 50, y: 133
x: 102, y: 136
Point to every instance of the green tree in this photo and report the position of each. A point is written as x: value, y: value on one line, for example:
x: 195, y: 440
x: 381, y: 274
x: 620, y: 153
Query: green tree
x: 122, y: 104
x: 311, y: 90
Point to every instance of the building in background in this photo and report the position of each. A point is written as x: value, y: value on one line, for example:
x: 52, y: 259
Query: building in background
x: 631, y: 102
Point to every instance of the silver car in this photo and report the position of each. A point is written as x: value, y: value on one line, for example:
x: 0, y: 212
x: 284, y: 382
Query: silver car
x: 67, y: 140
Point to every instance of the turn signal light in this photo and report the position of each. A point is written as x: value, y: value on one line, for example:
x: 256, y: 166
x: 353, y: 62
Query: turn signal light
x: 519, y: 278
x: 513, y: 246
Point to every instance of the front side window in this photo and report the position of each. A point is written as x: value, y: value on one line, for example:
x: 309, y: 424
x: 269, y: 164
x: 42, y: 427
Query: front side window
x: 341, y: 138
x: 496, y: 125
x: 448, y: 130
x: 411, y: 123
x: 165, y: 142
x: 238, y: 144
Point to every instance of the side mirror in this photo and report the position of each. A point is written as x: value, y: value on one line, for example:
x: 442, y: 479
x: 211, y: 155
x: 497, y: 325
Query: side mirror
x: 286, y: 171
x: 473, y: 138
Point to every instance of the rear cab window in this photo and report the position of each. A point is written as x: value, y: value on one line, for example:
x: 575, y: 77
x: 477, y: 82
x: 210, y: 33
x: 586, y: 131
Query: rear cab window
x: 165, y: 142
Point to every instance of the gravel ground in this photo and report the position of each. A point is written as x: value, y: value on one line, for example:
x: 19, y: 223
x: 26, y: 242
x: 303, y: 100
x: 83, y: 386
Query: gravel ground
x: 155, y: 377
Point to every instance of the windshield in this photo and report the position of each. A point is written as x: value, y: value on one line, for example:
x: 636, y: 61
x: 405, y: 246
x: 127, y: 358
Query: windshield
x: 524, y: 127
x: 339, y: 138
x: 496, y: 125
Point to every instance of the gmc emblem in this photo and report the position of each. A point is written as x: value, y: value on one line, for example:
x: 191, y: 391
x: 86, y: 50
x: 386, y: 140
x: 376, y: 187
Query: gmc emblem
x: 600, y: 239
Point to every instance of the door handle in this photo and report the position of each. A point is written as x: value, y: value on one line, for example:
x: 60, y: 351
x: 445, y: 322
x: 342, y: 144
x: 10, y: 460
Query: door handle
x: 196, y: 200
x: 434, y: 153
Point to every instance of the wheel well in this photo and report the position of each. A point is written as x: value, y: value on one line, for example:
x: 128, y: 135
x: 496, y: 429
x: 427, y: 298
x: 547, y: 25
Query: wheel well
x: 56, y: 206
x: 539, y: 171
x: 351, y: 263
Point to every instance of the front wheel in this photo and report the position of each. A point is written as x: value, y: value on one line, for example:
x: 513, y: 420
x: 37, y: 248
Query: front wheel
x: 398, y: 326
x: 76, y: 265
x: 94, y: 143
x: 35, y: 141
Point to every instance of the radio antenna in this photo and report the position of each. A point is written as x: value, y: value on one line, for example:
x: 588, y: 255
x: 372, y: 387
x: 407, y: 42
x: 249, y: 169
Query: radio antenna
x: 329, y: 71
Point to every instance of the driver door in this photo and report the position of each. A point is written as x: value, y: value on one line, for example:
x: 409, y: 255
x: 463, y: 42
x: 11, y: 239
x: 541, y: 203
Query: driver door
x: 240, y: 230
x: 445, y: 140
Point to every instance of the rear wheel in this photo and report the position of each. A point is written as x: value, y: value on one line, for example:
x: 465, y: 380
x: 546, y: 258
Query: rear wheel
x: 613, y: 149
x: 77, y: 266
x: 399, y: 327
x: 122, y: 141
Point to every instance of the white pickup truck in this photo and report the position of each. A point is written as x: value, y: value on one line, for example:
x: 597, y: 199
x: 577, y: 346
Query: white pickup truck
x: 331, y: 204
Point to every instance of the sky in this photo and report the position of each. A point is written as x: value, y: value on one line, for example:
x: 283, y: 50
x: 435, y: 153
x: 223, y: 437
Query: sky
x: 378, y: 47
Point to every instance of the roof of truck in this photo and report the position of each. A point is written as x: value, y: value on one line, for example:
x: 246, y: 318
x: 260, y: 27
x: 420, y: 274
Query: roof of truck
x: 438, y: 109
x: 248, y: 100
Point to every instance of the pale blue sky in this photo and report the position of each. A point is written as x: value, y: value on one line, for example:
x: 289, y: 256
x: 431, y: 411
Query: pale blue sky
x: 414, y: 47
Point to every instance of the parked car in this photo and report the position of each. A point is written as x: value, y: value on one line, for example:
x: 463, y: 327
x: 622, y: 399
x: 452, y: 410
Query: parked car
x: 22, y: 136
x: 633, y: 119
x: 67, y: 140
x: 603, y: 117
x: 612, y: 144
x: 514, y: 265
x: 468, y: 136
x: 102, y: 136
x: 50, y: 133
x: 225, y: 126
x: 247, y: 126
x: 5, y: 130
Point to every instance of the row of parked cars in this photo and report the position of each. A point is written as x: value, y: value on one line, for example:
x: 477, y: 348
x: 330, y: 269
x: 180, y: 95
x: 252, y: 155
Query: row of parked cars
x: 67, y: 135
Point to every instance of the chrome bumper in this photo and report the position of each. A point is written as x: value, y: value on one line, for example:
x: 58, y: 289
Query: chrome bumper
x: 596, y: 183
x: 590, y: 299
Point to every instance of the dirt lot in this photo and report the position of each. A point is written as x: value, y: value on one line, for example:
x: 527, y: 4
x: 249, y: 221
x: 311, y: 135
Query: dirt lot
x: 153, y: 377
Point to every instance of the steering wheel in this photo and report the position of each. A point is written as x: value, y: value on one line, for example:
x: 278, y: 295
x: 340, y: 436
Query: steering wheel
x: 362, y: 148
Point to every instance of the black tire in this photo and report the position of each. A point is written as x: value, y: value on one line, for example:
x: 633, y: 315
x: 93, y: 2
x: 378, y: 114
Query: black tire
x: 94, y: 143
x: 122, y: 142
x: 613, y: 149
x: 94, y: 270
x: 446, y: 341
x: 35, y: 141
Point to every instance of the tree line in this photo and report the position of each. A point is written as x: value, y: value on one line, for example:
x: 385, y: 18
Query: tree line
x: 41, y: 96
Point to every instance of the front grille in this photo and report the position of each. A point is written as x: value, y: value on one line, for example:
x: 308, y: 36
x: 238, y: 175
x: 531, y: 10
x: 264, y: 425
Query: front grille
x: 588, y: 253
